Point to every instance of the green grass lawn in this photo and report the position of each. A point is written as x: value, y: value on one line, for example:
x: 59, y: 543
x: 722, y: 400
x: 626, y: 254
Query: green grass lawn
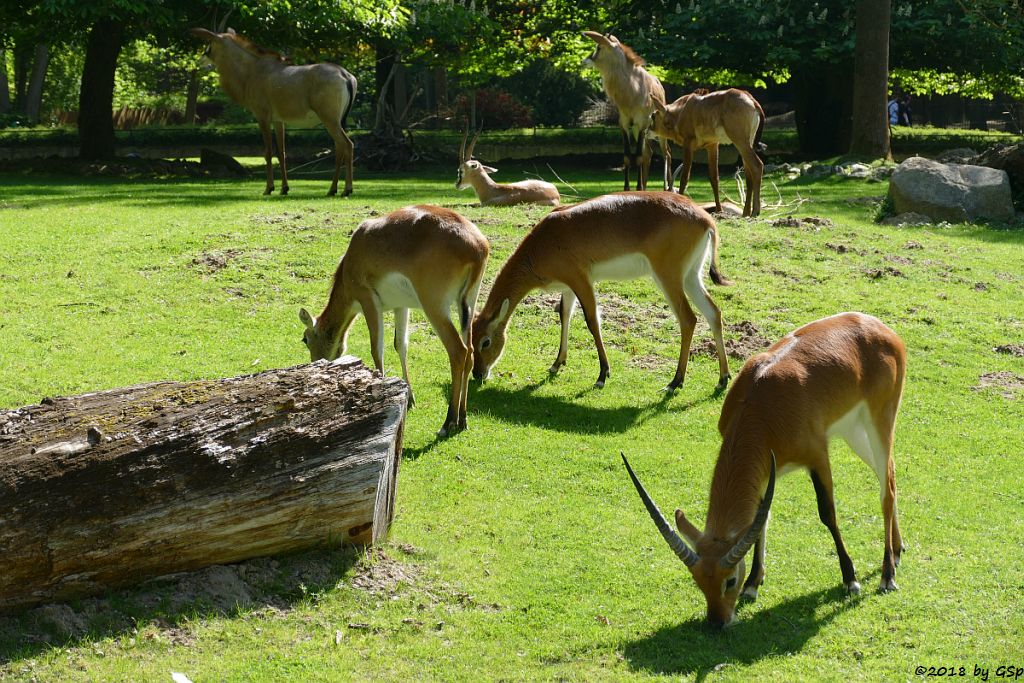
x: 519, y: 548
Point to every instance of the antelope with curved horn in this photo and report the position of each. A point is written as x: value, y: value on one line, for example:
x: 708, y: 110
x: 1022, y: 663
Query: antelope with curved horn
x: 275, y: 91
x: 423, y: 257
x: 474, y: 174
x: 705, y: 120
x: 630, y: 88
x: 838, y: 376
x: 619, y: 236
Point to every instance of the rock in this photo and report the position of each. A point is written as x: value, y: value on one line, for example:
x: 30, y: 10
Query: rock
x: 950, y: 192
x: 855, y: 170
x: 960, y: 155
x: 908, y: 218
x: 1009, y: 158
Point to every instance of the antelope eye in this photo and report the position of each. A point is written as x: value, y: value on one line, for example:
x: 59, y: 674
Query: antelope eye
x: 730, y: 582
x: 485, y: 342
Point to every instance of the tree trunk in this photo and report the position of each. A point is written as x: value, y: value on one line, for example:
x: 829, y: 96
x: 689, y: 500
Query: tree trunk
x: 870, y: 135
x: 96, y: 98
x: 110, y: 488
x: 5, y: 88
x: 34, y: 95
x: 824, y: 105
x: 191, y: 98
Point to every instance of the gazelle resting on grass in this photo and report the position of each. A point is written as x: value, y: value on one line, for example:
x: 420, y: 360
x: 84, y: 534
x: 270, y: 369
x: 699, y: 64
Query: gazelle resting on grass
x: 474, y: 174
x: 705, y: 120
x: 275, y: 91
x: 630, y: 88
x: 839, y: 376
x: 422, y: 257
x: 618, y: 236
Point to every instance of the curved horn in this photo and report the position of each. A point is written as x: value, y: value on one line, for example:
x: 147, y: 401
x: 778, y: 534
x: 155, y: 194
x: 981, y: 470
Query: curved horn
x: 673, y: 539
x: 736, y: 553
x: 472, y: 145
x: 597, y: 37
x: 462, y: 149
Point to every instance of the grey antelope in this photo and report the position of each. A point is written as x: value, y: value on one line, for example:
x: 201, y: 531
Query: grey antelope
x: 276, y: 91
x: 706, y: 120
x: 422, y: 257
x: 838, y: 376
x: 474, y: 174
x: 619, y: 236
x: 630, y: 88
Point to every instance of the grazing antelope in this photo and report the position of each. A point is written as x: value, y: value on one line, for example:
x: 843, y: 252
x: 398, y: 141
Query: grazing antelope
x: 618, y: 236
x: 275, y: 91
x: 474, y: 174
x: 838, y: 376
x: 423, y: 257
x: 705, y: 120
x: 631, y: 89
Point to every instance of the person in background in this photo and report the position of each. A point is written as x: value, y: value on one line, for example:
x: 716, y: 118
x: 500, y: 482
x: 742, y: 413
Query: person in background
x: 893, y: 107
x: 904, y: 111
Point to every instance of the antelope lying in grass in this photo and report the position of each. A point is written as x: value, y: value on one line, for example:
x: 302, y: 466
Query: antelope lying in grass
x: 474, y: 174
x: 275, y: 92
x: 705, y: 120
x: 618, y: 236
x: 423, y: 257
x: 631, y: 89
x: 839, y: 376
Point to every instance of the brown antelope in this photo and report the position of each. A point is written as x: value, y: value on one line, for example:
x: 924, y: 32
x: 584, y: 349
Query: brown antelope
x: 705, y: 120
x: 839, y: 376
x: 618, y: 236
x: 630, y: 88
x: 275, y: 91
x: 474, y: 174
x: 423, y: 257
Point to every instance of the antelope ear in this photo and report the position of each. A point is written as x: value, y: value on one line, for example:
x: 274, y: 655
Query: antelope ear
x: 612, y: 40
x: 203, y: 34
x: 231, y: 32
x: 306, y: 318
x: 656, y: 103
x: 503, y: 311
x: 489, y: 169
x: 689, y: 532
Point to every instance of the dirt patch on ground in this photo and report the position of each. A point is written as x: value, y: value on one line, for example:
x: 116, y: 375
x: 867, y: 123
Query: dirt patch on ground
x: 123, y: 167
x: 844, y: 249
x: 810, y: 223
x: 213, y: 261
x: 378, y: 573
x: 879, y: 273
x: 1011, y: 349
x: 1008, y: 384
x: 742, y: 340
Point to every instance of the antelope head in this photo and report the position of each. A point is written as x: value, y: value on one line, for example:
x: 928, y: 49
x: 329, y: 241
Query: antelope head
x: 607, y: 52
x: 321, y: 342
x: 489, y: 339
x: 659, y: 121
x: 468, y: 166
x: 716, y: 564
x: 214, y: 43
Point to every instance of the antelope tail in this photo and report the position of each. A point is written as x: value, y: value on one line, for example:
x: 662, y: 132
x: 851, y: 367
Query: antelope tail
x: 715, y: 272
x: 350, y: 83
x: 759, y: 147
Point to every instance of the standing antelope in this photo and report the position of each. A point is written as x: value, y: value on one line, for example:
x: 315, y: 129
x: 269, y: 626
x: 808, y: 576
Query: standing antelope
x: 618, y: 236
x: 474, y: 174
x: 276, y: 91
x: 705, y: 120
x: 423, y: 257
x: 839, y: 376
x: 631, y: 89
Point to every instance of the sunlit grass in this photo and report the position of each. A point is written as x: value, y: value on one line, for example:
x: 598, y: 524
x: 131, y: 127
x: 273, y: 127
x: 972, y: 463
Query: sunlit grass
x: 529, y: 554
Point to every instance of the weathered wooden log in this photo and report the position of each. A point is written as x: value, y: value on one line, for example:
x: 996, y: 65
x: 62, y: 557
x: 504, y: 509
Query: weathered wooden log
x: 109, y: 488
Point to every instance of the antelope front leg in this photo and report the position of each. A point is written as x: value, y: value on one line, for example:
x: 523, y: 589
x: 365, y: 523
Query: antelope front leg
x: 268, y: 155
x: 566, y: 307
x: 625, y: 160
x: 643, y: 156
x: 402, y: 347
x: 279, y: 128
x: 822, y: 480
x: 712, y: 151
x: 666, y: 153
x: 585, y: 294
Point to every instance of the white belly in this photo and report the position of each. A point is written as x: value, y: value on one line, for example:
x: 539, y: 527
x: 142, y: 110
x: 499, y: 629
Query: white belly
x: 626, y: 267
x: 396, y: 291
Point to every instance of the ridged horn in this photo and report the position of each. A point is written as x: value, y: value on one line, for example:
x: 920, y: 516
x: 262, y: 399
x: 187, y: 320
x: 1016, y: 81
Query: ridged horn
x: 736, y: 553
x: 462, y: 149
x: 472, y: 145
x: 673, y: 539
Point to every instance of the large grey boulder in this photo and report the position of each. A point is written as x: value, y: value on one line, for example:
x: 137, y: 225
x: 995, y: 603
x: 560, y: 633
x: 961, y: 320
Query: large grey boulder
x: 950, y: 192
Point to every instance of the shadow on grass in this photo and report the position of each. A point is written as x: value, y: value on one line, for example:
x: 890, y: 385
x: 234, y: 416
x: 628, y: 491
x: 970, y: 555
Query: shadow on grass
x: 694, y: 649
x: 164, y: 607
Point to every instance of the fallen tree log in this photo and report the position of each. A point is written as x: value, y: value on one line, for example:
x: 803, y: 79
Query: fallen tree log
x: 109, y: 488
